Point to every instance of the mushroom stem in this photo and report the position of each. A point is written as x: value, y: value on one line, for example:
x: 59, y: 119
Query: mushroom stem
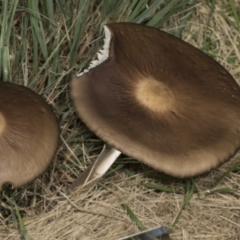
x: 96, y: 170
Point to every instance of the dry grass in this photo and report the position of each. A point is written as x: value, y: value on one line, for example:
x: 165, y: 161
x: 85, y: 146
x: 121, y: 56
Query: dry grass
x: 98, y: 214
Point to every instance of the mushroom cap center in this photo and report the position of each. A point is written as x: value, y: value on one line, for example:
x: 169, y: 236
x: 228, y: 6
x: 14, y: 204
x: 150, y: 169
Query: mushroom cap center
x: 2, y: 123
x: 154, y: 95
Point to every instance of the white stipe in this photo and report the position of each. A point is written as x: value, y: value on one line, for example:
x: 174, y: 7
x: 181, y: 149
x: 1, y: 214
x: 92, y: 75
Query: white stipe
x: 106, y: 158
x: 102, y: 55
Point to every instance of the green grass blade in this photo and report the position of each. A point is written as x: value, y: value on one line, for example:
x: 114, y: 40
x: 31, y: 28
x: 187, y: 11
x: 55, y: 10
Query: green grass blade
x: 221, y: 190
x: 23, y: 53
x: 225, y: 174
x: 190, y: 188
x: 6, y: 64
x: 83, y: 9
x: 155, y: 21
x: 236, y: 13
x: 45, y: 65
x: 16, y: 217
x: 138, y: 8
x: 4, y: 14
x: 133, y: 217
x: 160, y: 188
x: 148, y: 12
x: 6, y: 21
x: 37, y: 27
x: 49, y: 8
x: 22, y: 226
x: 185, y: 17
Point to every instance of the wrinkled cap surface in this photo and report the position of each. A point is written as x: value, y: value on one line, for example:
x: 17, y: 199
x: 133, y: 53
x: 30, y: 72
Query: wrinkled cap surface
x: 160, y: 100
x: 29, y: 135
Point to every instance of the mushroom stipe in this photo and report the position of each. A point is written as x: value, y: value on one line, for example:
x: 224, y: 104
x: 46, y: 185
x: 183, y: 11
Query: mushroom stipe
x: 29, y: 135
x: 159, y: 100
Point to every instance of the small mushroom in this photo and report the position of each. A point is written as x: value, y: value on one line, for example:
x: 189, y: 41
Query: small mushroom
x: 159, y: 100
x: 29, y: 135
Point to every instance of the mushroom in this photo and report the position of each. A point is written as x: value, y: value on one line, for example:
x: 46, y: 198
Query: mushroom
x: 29, y: 135
x: 159, y: 100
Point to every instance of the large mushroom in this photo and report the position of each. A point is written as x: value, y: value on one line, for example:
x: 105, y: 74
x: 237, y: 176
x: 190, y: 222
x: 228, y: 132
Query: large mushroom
x: 157, y: 99
x: 29, y: 135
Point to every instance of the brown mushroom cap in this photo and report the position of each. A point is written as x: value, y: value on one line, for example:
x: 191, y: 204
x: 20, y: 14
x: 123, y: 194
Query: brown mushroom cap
x: 29, y: 135
x: 161, y: 101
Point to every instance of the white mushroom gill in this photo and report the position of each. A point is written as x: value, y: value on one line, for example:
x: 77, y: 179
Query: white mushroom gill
x: 102, y: 55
